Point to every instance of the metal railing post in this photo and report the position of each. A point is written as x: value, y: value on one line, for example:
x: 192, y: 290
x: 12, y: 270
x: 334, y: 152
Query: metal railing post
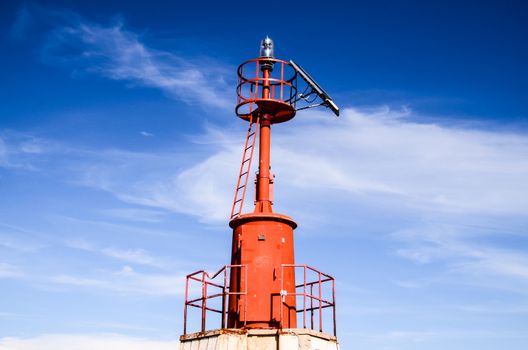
x: 245, y: 293
x: 241, y: 296
x: 334, y: 307
x: 320, y: 304
x: 204, y: 298
x: 281, y: 296
x: 223, y: 315
x: 185, y: 306
x: 304, y: 297
x: 311, y: 307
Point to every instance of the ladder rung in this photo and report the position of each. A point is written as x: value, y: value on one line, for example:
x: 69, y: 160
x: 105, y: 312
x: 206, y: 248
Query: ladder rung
x: 245, y: 168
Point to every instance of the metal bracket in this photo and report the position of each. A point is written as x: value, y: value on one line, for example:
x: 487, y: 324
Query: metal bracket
x: 283, y: 294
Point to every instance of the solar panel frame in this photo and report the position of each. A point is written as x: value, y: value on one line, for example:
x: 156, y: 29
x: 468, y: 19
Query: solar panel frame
x: 327, y: 100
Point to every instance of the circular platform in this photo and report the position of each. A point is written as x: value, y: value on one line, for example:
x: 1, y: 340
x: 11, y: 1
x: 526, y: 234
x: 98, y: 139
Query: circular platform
x: 278, y: 111
x: 264, y: 91
x: 244, y: 218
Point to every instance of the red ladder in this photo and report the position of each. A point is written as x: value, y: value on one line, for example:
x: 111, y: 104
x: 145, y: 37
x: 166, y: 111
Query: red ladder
x: 245, y: 167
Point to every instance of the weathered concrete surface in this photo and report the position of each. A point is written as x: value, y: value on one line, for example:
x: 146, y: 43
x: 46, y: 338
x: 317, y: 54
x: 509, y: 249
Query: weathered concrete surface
x: 259, y: 339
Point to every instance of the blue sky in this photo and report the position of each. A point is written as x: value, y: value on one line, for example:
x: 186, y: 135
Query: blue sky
x: 119, y: 152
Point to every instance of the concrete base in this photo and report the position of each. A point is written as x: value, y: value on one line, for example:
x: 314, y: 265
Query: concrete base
x: 259, y: 339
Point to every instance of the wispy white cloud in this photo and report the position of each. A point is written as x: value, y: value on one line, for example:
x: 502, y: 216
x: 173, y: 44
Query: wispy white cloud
x: 125, y: 281
x: 121, y: 326
x: 136, y: 214
x: 160, y: 278
x: 495, y: 308
x: 19, y: 150
x: 138, y: 256
x: 418, y: 336
x: 10, y: 271
x: 463, y: 254
x: 120, y: 54
x: 132, y: 255
x: 380, y: 154
x: 19, y: 240
x: 85, y: 342
x: 456, y: 338
x: 3, y: 153
x: 199, y: 190
x: 396, y: 338
x: 148, y: 274
x: 424, y: 166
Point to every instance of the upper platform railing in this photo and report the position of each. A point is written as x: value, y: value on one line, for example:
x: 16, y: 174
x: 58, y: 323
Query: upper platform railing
x: 282, y: 85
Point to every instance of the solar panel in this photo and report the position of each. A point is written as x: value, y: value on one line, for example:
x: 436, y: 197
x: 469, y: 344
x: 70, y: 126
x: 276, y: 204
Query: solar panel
x: 327, y: 100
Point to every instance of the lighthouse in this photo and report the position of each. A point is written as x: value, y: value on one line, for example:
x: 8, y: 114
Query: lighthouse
x: 263, y: 299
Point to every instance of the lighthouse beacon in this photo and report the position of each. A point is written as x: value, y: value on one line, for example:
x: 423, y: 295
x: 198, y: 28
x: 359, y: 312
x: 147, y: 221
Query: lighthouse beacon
x: 263, y: 300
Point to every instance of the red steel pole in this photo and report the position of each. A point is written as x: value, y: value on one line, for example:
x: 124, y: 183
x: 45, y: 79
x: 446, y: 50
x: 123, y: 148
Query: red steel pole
x: 263, y: 204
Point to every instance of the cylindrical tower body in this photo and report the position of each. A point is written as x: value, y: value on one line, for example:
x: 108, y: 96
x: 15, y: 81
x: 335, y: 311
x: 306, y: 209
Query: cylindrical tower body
x: 263, y: 242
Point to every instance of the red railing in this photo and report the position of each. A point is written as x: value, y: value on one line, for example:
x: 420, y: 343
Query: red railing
x: 314, y: 293
x: 282, y: 84
x: 213, y: 290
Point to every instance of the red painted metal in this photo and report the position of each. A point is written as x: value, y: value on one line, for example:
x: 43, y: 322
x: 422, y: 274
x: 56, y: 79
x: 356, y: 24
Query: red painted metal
x: 282, y: 89
x: 263, y: 240
x: 225, y: 291
x: 222, y: 290
x: 323, y: 281
x: 245, y: 167
x: 262, y: 291
x: 273, y: 92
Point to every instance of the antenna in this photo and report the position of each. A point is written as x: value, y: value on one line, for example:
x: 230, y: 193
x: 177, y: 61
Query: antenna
x: 327, y: 100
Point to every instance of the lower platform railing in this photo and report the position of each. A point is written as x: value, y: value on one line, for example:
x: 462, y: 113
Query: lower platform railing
x: 314, y: 294
x: 213, y: 291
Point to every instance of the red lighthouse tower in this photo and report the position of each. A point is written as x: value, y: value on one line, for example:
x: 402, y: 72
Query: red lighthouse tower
x: 263, y: 290
x: 263, y: 240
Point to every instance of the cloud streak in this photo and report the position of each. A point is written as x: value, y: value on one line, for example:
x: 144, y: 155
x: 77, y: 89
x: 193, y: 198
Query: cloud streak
x: 9, y: 271
x: 85, y: 342
x: 119, y: 54
x: 463, y: 254
x: 378, y: 154
x: 21, y: 151
x: 125, y: 281
x: 135, y: 255
x: 428, y: 172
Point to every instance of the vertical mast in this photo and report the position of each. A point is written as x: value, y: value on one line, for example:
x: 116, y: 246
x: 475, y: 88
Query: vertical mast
x: 263, y: 200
